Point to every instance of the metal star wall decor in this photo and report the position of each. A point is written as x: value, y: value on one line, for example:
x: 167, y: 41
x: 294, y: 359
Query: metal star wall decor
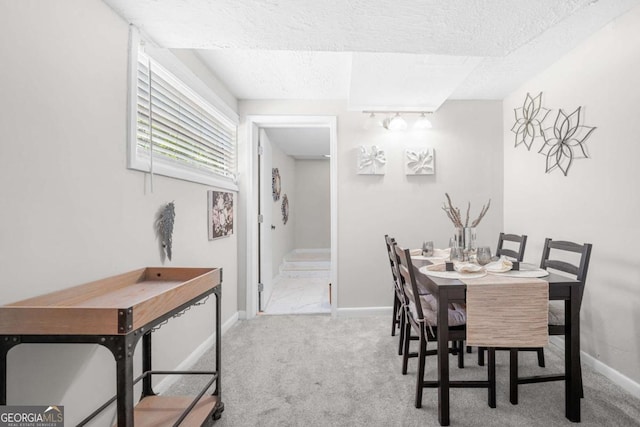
x: 565, y: 142
x: 529, y: 120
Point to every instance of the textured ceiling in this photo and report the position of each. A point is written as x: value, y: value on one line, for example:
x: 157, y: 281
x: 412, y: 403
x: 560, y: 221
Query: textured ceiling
x: 293, y: 49
x: 378, y: 55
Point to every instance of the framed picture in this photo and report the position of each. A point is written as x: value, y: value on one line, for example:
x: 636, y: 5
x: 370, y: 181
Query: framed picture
x: 371, y: 160
x: 220, y: 207
x: 419, y: 161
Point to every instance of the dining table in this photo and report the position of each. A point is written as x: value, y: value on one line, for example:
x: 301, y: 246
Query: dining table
x: 451, y: 290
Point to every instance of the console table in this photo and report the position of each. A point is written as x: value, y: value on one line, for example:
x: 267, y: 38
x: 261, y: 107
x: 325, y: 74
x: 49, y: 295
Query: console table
x: 116, y: 313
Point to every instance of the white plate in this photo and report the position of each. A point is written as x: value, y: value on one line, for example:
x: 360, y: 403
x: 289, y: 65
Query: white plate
x: 538, y: 272
x: 452, y: 274
x: 433, y: 259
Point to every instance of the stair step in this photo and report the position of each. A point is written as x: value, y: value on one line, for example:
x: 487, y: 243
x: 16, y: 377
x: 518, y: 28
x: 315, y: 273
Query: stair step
x: 305, y: 266
x: 306, y: 263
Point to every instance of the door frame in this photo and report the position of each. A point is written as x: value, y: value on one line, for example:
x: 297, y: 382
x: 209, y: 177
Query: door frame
x: 254, y: 124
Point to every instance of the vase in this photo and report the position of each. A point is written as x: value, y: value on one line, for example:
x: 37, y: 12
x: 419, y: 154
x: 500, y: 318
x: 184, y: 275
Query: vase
x: 465, y: 238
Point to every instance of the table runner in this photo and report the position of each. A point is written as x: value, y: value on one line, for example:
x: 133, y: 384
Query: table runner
x: 507, y: 312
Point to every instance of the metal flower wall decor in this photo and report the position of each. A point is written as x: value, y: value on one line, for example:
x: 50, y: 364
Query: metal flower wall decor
x: 565, y: 142
x: 419, y: 161
x: 529, y: 120
x: 275, y: 184
x: 285, y: 209
x: 371, y: 161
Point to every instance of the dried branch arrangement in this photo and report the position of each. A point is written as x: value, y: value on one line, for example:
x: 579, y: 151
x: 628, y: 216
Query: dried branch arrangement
x: 456, y: 217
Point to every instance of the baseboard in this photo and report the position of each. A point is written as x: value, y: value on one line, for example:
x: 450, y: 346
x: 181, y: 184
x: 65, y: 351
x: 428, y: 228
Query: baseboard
x: 363, y: 311
x: 616, y: 377
x: 191, y: 360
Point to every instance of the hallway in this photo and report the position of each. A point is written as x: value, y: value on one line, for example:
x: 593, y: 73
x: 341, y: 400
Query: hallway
x: 302, y: 286
x: 299, y: 295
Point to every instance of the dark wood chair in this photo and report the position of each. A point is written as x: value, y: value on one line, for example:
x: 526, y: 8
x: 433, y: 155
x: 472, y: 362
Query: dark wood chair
x: 577, y: 269
x: 422, y: 318
x: 517, y: 254
x: 398, y: 319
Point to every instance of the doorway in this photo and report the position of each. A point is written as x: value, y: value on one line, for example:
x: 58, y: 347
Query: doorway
x: 272, y: 254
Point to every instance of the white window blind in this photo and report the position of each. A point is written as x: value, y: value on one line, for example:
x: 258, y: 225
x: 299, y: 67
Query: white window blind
x: 177, y: 127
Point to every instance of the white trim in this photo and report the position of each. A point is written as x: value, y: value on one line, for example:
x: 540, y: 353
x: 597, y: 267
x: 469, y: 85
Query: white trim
x: 248, y: 187
x: 167, y: 168
x: 188, y: 363
x: 616, y: 377
x: 132, y: 98
x: 363, y: 311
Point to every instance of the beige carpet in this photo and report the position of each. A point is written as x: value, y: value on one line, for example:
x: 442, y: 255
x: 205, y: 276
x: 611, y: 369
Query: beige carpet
x: 313, y: 370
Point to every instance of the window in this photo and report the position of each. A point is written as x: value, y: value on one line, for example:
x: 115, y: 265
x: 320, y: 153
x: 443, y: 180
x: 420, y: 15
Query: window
x: 176, y: 132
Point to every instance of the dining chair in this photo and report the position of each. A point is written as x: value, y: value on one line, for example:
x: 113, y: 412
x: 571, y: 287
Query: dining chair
x: 561, y: 252
x: 517, y: 254
x: 421, y: 316
x: 398, y: 319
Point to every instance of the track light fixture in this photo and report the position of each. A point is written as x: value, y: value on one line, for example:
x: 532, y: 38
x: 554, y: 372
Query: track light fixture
x: 394, y: 120
x: 422, y: 122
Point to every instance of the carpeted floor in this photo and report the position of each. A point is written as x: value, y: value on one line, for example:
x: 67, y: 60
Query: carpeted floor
x: 314, y: 370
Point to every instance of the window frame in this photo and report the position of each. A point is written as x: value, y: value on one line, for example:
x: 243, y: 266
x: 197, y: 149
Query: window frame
x: 160, y: 165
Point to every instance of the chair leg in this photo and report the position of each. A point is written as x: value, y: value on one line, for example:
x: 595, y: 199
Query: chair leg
x: 403, y: 320
x: 481, y: 356
x: 405, y: 353
x: 541, y: 357
x: 580, y: 378
x: 492, y: 377
x: 460, y: 354
x: 513, y: 376
x: 396, y: 304
x: 421, y: 360
x: 469, y: 348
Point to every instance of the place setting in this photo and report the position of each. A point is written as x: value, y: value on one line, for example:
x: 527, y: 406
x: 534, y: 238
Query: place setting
x: 474, y: 264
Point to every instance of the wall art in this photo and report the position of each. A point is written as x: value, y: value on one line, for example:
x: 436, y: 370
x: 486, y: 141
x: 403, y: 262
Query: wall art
x: 275, y: 184
x: 164, y: 229
x: 564, y: 143
x: 529, y: 118
x: 419, y: 161
x: 285, y: 209
x: 371, y: 160
x: 220, y: 214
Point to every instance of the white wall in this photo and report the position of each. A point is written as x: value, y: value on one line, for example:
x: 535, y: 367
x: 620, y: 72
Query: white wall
x: 467, y: 137
x: 313, y: 205
x: 598, y: 201
x: 283, y: 237
x: 71, y: 211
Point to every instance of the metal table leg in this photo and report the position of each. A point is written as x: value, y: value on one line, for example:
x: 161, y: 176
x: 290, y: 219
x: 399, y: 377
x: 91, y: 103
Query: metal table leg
x: 124, y: 380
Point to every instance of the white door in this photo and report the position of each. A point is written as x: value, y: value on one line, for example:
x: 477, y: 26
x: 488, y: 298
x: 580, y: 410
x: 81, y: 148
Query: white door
x: 265, y: 270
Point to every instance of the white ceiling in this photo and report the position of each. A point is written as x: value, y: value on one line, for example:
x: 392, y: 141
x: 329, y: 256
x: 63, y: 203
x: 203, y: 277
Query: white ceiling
x: 301, y: 143
x: 378, y: 55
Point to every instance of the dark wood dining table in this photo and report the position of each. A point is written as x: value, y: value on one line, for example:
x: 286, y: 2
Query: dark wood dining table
x: 448, y: 291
